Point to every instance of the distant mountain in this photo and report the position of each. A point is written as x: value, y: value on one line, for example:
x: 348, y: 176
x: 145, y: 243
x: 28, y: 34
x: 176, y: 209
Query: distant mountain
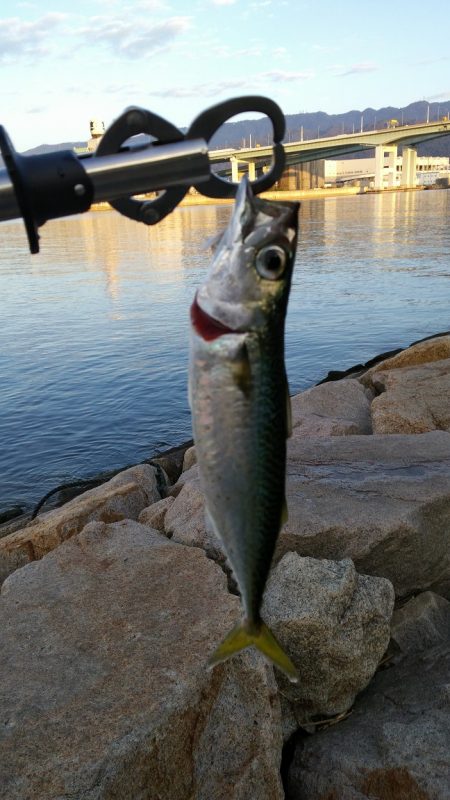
x: 51, y: 148
x: 320, y: 124
x: 246, y: 132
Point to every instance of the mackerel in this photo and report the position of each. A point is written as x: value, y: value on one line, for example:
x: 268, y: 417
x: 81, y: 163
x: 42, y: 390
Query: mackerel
x: 240, y: 401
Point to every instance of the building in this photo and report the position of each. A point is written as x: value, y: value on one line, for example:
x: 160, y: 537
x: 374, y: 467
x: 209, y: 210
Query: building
x: 307, y: 175
x: 97, y: 129
x: 430, y: 170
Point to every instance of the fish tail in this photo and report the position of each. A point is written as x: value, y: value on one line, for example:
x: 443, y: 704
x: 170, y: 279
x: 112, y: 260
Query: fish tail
x: 258, y: 634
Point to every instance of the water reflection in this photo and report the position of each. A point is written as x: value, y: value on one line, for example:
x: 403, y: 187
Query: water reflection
x: 93, y: 351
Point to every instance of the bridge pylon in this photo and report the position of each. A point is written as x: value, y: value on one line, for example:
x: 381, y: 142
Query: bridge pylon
x: 409, y: 166
x: 381, y: 150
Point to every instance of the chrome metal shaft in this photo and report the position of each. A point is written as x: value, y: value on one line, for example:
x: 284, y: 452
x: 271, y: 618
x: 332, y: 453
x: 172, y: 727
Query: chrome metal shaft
x: 130, y: 172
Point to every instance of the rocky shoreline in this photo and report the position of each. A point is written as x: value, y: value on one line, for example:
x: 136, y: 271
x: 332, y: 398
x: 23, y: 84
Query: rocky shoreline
x: 171, y: 460
x: 111, y: 604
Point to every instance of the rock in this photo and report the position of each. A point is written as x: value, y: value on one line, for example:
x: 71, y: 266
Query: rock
x: 289, y: 724
x: 7, y: 514
x: 420, y: 353
x: 154, y: 515
x: 185, y: 520
x: 15, y: 524
x: 394, y: 746
x: 334, y: 624
x: 124, y: 496
x: 171, y: 462
x: 413, y: 399
x: 421, y: 623
x: 338, y: 408
x: 383, y: 501
x: 187, y: 476
x: 190, y: 458
x: 104, y: 688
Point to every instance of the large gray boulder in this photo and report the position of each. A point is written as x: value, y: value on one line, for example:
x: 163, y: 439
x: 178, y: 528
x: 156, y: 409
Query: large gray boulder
x: 122, y: 497
x: 336, y: 408
x: 105, y: 692
x: 154, y: 515
x: 190, y: 458
x: 425, y: 352
x: 394, y: 745
x: 383, y: 501
x: 185, y: 520
x: 421, y: 623
x: 334, y: 624
x: 412, y: 399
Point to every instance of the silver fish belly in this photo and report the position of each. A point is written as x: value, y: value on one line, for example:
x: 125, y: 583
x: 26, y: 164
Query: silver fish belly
x: 239, y: 401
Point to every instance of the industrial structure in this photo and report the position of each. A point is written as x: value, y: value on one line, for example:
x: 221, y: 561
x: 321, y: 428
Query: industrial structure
x: 308, y: 152
x: 313, y: 164
x: 97, y: 129
x: 429, y: 171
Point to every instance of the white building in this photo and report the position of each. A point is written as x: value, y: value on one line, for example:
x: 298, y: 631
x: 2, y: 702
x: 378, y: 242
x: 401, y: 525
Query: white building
x: 97, y: 129
x: 429, y: 169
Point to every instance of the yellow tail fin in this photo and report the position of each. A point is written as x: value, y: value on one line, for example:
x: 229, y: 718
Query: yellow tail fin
x: 246, y: 634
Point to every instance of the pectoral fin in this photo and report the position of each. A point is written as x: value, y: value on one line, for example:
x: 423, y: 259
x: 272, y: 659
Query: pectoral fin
x: 241, y: 370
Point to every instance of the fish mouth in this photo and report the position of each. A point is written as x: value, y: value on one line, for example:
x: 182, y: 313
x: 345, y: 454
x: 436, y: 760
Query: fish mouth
x: 205, y: 326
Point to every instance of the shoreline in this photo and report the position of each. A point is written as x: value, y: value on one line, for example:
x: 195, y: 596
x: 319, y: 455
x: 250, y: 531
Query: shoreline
x: 299, y: 194
x: 112, y: 605
x: 305, y: 194
x: 170, y: 460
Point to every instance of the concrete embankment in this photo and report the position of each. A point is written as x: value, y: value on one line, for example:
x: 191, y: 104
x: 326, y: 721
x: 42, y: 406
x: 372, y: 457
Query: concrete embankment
x: 307, y: 194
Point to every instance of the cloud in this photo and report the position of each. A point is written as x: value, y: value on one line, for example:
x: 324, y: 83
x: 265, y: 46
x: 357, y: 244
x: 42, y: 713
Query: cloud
x: 141, y: 5
x: 19, y: 38
x: 223, y: 2
x: 128, y: 89
x: 246, y: 52
x: 425, y: 62
x: 444, y: 96
x: 280, y: 76
x: 215, y: 88
x: 96, y: 90
x: 225, y: 51
x: 202, y: 89
x: 357, y: 69
x: 132, y: 40
x: 149, y: 5
x: 324, y: 48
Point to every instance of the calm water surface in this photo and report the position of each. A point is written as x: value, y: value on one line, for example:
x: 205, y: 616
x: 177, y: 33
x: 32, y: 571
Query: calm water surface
x: 93, y: 343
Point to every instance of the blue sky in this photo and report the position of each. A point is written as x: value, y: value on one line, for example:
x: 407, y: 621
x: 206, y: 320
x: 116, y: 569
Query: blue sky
x: 63, y: 63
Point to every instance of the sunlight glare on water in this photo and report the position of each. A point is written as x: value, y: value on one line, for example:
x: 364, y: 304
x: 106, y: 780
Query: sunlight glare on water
x: 93, y: 355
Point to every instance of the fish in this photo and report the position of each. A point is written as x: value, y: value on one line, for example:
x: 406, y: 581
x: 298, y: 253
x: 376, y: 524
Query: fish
x: 239, y: 398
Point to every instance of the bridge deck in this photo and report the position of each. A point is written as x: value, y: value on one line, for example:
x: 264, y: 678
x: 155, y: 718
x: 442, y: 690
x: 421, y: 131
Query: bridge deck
x: 344, y: 144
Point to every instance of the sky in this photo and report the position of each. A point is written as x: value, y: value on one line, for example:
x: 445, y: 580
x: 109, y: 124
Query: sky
x: 63, y: 63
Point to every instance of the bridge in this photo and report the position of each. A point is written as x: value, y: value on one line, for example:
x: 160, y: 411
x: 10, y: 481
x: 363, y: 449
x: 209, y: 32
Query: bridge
x: 385, y: 141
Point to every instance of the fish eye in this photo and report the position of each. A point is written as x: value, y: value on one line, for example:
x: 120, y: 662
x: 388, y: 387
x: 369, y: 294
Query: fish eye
x: 271, y: 262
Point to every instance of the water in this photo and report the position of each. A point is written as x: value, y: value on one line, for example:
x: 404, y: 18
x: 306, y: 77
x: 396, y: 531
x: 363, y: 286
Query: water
x: 93, y: 347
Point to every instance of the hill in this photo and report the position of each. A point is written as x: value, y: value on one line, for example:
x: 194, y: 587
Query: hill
x: 320, y: 124
x: 312, y: 125
x: 51, y: 148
